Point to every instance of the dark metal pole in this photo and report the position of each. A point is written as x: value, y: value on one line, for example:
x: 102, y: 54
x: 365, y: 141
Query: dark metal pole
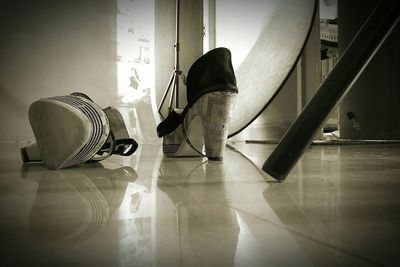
x: 171, y: 80
x: 174, y: 80
x: 351, y: 63
x: 177, y: 70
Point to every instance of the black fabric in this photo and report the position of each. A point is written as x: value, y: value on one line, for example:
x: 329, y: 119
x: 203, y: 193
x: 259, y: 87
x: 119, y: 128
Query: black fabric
x: 168, y: 125
x: 122, y: 147
x: 125, y: 147
x: 211, y: 72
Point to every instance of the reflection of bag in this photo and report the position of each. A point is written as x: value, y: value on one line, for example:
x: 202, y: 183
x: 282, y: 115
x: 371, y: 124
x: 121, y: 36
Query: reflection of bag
x: 72, y: 129
x: 84, y: 207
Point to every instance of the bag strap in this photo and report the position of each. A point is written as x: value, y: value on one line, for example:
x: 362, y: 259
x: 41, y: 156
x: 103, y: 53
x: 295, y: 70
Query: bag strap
x: 108, y: 150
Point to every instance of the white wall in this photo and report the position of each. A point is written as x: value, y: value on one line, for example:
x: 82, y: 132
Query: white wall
x: 191, y: 42
x: 53, y: 48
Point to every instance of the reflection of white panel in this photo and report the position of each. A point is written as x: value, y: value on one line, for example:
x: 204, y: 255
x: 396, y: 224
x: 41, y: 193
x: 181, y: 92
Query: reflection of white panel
x: 266, y: 39
x: 260, y: 243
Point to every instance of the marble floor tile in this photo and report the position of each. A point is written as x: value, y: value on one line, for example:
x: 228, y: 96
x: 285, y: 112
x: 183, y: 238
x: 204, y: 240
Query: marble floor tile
x: 340, y: 206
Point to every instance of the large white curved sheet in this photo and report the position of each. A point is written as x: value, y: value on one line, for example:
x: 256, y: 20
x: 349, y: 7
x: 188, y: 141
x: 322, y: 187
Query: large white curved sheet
x: 272, y: 58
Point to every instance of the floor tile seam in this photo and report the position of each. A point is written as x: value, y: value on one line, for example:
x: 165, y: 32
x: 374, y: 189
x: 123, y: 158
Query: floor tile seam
x: 312, y: 239
x: 115, y: 162
x: 229, y: 183
x: 181, y: 186
x: 124, y: 165
x: 251, y: 161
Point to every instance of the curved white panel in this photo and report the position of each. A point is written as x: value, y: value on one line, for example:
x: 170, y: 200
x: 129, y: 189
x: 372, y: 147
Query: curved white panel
x: 266, y: 38
x: 271, y: 59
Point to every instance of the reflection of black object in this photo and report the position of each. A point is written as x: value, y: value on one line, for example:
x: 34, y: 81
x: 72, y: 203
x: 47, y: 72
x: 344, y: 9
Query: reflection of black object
x: 283, y: 206
x: 291, y: 216
x: 350, y: 115
x: 75, y: 204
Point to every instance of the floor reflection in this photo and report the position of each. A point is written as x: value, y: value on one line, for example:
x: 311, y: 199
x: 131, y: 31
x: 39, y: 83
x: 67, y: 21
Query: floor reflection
x: 338, y: 208
x: 206, y: 230
x: 312, y: 206
x: 75, y: 204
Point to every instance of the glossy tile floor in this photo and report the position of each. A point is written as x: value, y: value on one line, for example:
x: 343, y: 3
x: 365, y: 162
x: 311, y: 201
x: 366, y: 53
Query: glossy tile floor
x: 340, y: 206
